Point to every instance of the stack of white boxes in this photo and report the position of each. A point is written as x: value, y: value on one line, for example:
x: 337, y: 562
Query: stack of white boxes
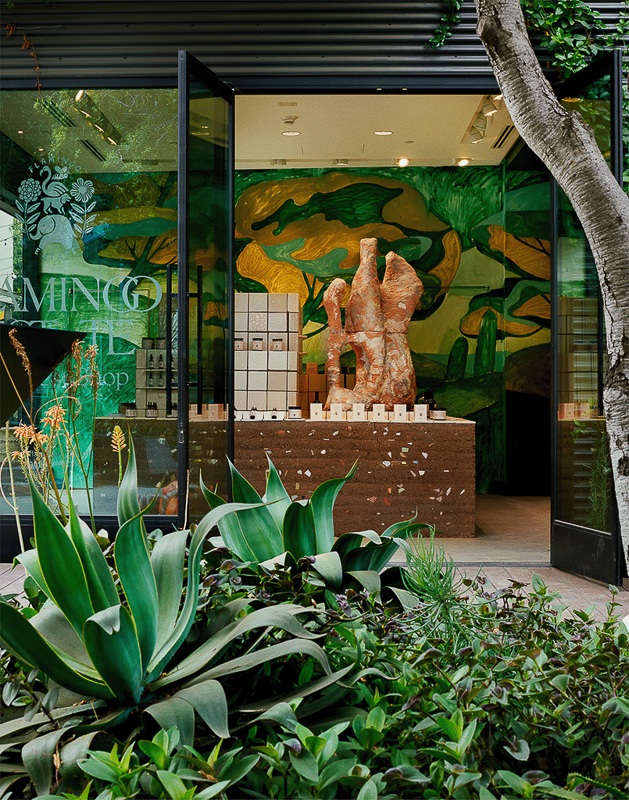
x: 266, y: 371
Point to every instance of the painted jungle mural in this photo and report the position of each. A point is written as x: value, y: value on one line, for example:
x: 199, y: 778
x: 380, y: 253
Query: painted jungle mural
x: 479, y: 240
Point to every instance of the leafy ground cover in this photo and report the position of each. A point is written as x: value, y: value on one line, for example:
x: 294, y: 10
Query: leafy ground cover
x: 170, y: 666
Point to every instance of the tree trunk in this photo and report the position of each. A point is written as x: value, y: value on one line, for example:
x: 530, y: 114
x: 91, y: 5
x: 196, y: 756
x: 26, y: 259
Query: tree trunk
x: 567, y: 147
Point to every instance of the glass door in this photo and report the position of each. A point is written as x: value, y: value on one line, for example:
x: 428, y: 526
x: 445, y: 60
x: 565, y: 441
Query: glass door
x: 584, y: 532
x: 203, y: 308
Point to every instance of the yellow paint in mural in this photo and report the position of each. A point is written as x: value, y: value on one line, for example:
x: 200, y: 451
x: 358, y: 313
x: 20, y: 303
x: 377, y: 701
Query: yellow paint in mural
x: 275, y: 276
x: 261, y: 201
x: 126, y: 216
x: 470, y: 325
x: 529, y: 253
x: 447, y: 268
x: 538, y: 306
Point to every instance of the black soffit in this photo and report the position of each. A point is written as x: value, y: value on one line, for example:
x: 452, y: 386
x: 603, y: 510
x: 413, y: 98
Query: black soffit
x: 45, y: 347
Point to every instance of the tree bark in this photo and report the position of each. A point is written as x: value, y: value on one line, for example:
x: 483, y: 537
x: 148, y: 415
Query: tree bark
x: 567, y: 147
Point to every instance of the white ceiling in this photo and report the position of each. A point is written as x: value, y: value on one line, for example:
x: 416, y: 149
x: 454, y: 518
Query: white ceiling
x: 429, y: 130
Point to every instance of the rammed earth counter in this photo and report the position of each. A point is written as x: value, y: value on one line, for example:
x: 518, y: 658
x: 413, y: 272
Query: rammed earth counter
x: 403, y: 468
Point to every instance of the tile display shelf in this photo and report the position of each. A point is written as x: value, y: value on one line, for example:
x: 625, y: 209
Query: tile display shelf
x: 267, y: 356
x: 403, y: 468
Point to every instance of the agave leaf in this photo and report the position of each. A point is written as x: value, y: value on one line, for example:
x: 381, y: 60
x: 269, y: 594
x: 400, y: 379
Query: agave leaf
x: 282, y: 616
x: 276, y: 495
x: 37, y: 756
x: 211, y: 499
x: 251, y: 534
x: 371, y: 557
x: 407, y: 599
x: 30, y: 562
x: 57, y: 631
x: 242, y: 490
x: 186, y: 618
x: 167, y: 560
x: 100, y: 582
x: 60, y: 564
x: 322, y: 502
x: 131, y: 555
x: 328, y: 565
x: 175, y: 712
x: 209, y: 701
x: 347, y: 542
x: 368, y: 578
x: 258, y: 657
x: 19, y: 637
x: 112, y: 644
x: 128, y: 504
x: 298, y: 532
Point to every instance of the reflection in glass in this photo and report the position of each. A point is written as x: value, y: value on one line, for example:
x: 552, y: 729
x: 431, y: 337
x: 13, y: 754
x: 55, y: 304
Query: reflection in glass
x: 89, y: 200
x: 584, y: 470
x: 208, y: 254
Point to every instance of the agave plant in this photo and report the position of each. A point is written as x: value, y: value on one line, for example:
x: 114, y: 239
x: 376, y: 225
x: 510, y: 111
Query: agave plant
x: 269, y: 528
x: 118, y: 649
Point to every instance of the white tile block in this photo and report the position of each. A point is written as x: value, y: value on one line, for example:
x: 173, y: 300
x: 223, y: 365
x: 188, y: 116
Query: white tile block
x: 277, y: 341
x: 256, y: 400
x: 258, y: 301
x: 257, y: 345
x: 276, y: 381
x: 292, y: 381
x: 293, y: 361
x: 292, y: 301
x: 257, y: 360
x: 278, y: 302
x: 241, y: 321
x: 292, y: 399
x: 240, y: 360
x: 240, y: 381
x: 293, y: 341
x: 256, y: 380
x: 241, y: 302
x: 258, y: 321
x: 294, y: 322
x: 240, y: 400
x: 278, y: 360
x: 276, y: 400
x: 277, y: 321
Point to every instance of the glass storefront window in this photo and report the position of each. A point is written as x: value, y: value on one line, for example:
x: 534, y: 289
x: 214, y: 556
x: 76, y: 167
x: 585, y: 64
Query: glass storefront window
x: 89, y: 241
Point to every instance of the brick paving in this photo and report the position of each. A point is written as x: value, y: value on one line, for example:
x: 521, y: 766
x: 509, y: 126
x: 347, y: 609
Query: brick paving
x: 512, y: 542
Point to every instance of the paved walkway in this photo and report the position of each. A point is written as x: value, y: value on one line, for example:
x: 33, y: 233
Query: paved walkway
x: 512, y: 543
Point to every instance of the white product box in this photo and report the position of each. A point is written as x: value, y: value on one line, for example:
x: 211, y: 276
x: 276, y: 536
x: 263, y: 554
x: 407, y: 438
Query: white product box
x: 240, y: 360
x: 358, y: 412
x: 277, y: 321
x: 274, y: 415
x: 241, y: 321
x: 421, y: 412
x: 276, y: 381
x: 257, y: 380
x: 399, y: 412
x: 276, y: 400
x: 316, y: 411
x: 379, y: 412
x: 278, y: 360
x: 336, y: 412
x: 292, y: 302
x: 240, y: 381
x: 257, y: 360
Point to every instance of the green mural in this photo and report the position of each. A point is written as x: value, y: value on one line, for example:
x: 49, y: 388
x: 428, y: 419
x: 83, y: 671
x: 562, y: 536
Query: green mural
x: 479, y: 241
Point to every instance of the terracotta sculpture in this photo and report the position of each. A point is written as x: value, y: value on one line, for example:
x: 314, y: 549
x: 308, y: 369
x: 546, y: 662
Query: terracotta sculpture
x: 376, y: 321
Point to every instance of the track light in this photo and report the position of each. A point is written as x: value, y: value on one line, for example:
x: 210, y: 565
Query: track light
x: 489, y: 109
x: 476, y: 136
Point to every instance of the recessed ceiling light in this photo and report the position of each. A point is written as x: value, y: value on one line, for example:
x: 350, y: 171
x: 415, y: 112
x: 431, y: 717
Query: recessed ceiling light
x: 41, y: 149
x: 383, y: 133
x: 291, y: 133
x: 402, y: 162
x: 463, y: 162
x: 20, y: 131
x: 342, y: 162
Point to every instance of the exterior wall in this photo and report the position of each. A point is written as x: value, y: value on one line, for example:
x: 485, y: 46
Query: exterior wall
x: 249, y: 42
